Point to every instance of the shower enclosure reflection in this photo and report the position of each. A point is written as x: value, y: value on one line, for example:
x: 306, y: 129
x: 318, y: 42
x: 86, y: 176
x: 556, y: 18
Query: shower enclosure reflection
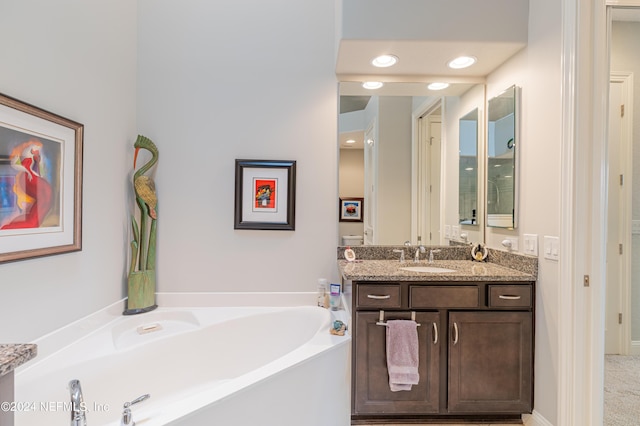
x: 501, y: 160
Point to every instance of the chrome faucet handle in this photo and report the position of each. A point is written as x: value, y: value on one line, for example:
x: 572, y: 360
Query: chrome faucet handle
x: 401, y: 251
x: 431, y: 254
x: 127, y: 417
x: 78, y: 416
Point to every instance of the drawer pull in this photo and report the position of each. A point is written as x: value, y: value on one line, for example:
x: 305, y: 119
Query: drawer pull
x: 379, y: 297
x: 455, y: 333
x: 509, y: 297
x: 435, y: 333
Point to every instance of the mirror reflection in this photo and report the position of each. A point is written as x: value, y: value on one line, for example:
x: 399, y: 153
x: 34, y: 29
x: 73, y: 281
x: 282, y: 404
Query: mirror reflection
x: 468, y: 169
x: 501, y: 160
x: 399, y: 151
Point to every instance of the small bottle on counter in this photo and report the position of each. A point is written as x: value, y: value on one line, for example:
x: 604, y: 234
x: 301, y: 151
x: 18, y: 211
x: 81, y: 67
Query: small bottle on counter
x: 335, y: 297
x: 323, y: 295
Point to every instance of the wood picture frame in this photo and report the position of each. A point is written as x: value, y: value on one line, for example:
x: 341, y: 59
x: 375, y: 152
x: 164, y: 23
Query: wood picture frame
x: 350, y: 209
x: 40, y: 182
x: 265, y: 192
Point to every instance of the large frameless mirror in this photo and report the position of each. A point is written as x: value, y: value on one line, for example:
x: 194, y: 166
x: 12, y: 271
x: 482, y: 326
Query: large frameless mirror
x: 468, y: 169
x: 502, y: 142
x: 399, y: 155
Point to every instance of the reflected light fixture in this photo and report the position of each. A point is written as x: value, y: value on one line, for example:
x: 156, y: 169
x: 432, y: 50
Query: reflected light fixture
x: 384, y: 61
x: 437, y: 86
x: 372, y: 85
x: 462, y: 62
x: 369, y: 142
x: 350, y: 141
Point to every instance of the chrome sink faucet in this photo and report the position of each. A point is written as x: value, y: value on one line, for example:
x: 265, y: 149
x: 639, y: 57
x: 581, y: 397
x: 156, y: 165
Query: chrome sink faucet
x: 401, y: 254
x: 127, y: 417
x: 78, y: 415
x: 431, y: 255
x: 419, y: 249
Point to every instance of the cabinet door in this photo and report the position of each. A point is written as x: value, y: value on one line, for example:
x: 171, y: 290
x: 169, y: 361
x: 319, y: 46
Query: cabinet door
x: 490, y: 362
x: 371, y: 379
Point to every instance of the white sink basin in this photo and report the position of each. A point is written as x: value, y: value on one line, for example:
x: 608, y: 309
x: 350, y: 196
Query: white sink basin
x: 431, y: 269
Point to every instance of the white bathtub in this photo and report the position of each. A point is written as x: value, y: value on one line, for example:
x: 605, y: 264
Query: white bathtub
x: 229, y: 366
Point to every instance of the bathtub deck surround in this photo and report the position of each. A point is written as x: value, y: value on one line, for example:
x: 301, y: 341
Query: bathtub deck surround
x: 198, y: 362
x: 11, y: 357
x: 476, y: 334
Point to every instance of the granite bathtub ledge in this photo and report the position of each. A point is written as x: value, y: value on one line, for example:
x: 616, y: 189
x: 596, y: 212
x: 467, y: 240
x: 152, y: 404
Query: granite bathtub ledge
x: 14, y: 355
x: 516, y: 261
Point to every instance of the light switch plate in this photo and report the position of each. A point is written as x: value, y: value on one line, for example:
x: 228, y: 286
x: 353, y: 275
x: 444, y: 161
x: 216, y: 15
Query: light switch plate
x: 447, y: 232
x: 530, y: 244
x: 455, y: 232
x: 551, y: 248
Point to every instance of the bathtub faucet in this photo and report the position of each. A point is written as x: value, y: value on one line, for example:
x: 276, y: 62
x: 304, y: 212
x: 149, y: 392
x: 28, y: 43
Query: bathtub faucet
x: 127, y: 418
x: 78, y: 415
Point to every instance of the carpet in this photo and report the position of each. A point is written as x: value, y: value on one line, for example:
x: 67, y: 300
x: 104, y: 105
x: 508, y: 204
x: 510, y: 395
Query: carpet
x: 621, y: 390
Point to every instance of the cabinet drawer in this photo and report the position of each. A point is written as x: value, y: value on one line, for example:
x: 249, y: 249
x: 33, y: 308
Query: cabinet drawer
x: 451, y: 296
x: 379, y: 296
x: 509, y: 296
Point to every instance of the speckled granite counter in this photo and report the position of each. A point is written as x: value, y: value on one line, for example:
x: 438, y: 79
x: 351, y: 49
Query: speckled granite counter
x: 464, y: 270
x: 381, y: 263
x: 14, y: 355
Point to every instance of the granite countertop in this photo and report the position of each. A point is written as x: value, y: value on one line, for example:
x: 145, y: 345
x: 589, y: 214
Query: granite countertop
x: 14, y: 355
x: 465, y: 270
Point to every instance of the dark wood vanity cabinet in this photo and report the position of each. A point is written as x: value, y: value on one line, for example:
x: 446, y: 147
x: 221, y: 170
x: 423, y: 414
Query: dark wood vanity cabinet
x: 475, y: 356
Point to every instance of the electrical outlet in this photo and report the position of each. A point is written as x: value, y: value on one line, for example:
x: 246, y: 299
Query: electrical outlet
x: 511, y: 243
x: 530, y: 244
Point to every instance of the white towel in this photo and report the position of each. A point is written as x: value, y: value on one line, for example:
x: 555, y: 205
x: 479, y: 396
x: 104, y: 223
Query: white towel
x: 402, y: 354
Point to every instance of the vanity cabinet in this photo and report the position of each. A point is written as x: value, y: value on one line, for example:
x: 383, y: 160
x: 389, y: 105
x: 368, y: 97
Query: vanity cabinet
x: 475, y: 350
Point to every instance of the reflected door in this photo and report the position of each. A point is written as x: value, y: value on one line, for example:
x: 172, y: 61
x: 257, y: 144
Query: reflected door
x: 429, y: 171
x: 370, y: 185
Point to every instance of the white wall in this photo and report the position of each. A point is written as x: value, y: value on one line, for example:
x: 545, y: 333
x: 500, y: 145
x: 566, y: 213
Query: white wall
x: 242, y: 80
x: 76, y: 59
x: 537, y: 70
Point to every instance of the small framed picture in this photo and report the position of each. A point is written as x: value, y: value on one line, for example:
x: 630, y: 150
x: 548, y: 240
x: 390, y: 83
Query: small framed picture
x: 265, y: 195
x: 351, y: 209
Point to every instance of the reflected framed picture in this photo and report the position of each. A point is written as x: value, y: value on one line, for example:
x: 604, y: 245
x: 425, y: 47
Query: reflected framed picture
x: 351, y: 209
x: 40, y: 182
x: 265, y: 195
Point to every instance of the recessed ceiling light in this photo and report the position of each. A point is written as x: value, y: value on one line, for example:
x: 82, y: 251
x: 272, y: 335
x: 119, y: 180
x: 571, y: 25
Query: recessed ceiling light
x: 384, y: 61
x: 462, y: 62
x: 372, y: 84
x: 469, y: 169
x: 350, y: 141
x: 437, y: 86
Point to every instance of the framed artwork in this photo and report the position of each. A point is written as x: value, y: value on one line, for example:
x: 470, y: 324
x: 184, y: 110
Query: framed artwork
x: 40, y: 182
x: 351, y: 209
x: 265, y: 194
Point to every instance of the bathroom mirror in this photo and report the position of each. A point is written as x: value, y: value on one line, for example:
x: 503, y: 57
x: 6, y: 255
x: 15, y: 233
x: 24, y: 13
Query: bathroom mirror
x: 468, y: 169
x: 502, y: 143
x: 403, y: 147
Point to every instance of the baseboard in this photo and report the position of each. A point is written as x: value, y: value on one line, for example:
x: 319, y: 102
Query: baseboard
x: 635, y: 347
x: 535, y: 419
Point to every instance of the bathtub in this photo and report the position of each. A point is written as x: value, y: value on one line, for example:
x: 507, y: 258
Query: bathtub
x: 244, y: 365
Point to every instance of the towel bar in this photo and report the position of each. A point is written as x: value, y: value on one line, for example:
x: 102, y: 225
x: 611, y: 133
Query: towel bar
x: 381, y: 318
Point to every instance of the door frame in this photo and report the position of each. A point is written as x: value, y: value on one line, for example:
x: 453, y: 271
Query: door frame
x: 419, y: 179
x: 625, y: 205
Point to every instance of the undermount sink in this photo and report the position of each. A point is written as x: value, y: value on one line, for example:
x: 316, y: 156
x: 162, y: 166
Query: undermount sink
x: 432, y: 269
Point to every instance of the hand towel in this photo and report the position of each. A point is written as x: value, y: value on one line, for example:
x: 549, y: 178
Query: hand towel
x: 402, y: 354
